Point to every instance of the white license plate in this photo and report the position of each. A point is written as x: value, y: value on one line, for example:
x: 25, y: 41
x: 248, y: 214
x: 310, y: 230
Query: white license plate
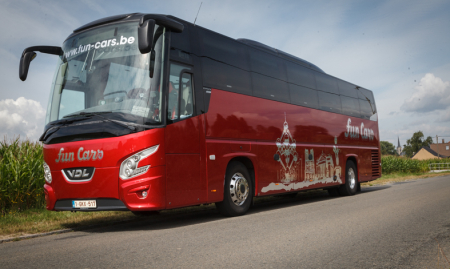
x: 84, y: 204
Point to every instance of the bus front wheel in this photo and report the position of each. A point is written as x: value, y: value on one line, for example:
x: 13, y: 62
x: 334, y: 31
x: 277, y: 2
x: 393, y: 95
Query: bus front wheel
x: 351, y: 180
x: 237, y: 196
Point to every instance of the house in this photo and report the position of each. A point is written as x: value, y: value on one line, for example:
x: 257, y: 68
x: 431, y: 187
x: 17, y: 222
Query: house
x: 426, y: 153
x: 441, y: 149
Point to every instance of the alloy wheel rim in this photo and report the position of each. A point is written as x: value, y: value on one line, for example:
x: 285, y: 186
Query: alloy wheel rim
x: 239, y: 189
x: 351, y: 178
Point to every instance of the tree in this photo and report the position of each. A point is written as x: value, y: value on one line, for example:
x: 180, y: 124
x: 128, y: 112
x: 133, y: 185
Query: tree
x: 387, y: 148
x: 416, y: 142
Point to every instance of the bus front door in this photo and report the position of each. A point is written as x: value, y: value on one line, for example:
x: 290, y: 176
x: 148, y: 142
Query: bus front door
x: 184, y: 183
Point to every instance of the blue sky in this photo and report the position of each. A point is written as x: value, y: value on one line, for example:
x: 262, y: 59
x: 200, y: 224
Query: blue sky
x: 398, y: 49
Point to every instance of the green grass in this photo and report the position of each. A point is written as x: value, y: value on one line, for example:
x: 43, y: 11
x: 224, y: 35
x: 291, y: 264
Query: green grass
x: 33, y: 221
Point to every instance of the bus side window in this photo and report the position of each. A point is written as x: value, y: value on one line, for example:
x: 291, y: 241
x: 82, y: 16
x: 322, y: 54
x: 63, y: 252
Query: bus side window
x: 347, y: 89
x: 186, y: 105
x: 329, y: 102
x: 350, y: 106
x: 326, y: 83
x: 180, y: 108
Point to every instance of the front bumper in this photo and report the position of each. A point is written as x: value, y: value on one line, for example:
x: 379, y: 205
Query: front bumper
x: 59, y: 197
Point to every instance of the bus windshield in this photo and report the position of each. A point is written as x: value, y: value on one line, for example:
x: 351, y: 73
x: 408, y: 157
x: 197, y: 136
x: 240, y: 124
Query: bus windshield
x: 103, y: 71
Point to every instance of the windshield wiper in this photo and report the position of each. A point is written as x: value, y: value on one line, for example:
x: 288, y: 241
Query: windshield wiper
x: 96, y: 114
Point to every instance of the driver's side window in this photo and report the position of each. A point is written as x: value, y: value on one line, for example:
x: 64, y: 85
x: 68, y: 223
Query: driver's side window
x: 181, y: 99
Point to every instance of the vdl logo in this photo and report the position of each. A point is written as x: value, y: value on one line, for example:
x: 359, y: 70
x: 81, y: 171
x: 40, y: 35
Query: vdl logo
x: 79, y: 174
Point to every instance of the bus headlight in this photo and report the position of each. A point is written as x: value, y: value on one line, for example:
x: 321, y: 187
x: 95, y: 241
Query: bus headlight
x: 130, y: 166
x: 47, y: 173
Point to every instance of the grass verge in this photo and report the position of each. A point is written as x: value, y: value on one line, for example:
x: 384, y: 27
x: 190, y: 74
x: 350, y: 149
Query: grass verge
x: 32, y: 221
x: 400, y: 177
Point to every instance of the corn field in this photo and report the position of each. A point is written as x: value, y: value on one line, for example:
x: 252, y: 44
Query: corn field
x: 392, y: 164
x: 21, y: 176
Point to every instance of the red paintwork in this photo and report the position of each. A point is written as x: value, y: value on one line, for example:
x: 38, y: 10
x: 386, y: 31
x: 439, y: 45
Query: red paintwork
x: 106, y: 182
x: 182, y: 173
x: 234, y: 120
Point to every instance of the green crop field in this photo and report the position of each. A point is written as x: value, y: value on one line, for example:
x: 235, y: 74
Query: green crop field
x: 21, y: 176
x: 392, y: 164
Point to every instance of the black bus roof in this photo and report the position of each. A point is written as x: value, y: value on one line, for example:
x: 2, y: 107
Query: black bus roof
x: 248, y: 42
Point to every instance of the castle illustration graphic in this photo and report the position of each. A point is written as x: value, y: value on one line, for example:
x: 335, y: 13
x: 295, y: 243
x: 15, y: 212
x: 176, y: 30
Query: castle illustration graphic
x: 288, y: 156
x: 324, y: 170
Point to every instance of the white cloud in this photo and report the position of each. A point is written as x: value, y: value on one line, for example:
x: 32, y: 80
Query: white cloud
x: 445, y: 116
x: 431, y: 94
x: 22, y: 117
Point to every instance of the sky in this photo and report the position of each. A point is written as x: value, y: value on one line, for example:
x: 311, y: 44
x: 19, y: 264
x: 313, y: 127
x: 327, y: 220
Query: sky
x: 398, y: 49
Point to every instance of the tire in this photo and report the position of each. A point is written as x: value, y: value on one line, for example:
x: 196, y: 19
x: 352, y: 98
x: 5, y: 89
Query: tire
x: 351, y: 180
x: 333, y: 192
x: 237, y: 194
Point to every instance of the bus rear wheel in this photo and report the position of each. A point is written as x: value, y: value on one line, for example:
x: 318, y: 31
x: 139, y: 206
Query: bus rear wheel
x: 237, y: 196
x: 351, y: 180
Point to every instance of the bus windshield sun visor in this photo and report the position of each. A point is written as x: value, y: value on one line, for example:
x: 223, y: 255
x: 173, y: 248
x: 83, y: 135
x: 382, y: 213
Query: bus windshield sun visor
x: 29, y: 54
x: 169, y: 23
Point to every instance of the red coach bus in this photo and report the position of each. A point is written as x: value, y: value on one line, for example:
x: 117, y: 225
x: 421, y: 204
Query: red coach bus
x: 150, y: 112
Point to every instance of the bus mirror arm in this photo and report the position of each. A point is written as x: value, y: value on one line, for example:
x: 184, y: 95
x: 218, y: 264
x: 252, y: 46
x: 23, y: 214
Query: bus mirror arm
x: 29, y: 54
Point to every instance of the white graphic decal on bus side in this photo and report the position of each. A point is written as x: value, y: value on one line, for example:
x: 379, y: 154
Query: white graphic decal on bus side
x: 324, y: 170
x: 82, y: 155
x: 288, y: 156
x: 353, y: 132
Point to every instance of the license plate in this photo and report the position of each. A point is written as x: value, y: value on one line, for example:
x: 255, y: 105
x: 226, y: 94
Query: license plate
x: 84, y: 204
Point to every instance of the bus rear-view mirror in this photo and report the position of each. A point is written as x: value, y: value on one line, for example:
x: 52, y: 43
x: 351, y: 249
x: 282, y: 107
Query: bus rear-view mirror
x: 145, y: 36
x: 25, y: 61
x: 29, y: 54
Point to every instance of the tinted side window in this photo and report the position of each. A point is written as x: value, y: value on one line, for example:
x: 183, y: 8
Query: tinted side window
x: 225, y: 77
x: 186, y: 102
x: 223, y: 49
x: 329, y: 102
x: 270, y: 88
x: 326, y: 83
x: 300, y: 75
x: 347, y: 89
x: 303, y: 96
x: 350, y: 106
x: 266, y: 64
x: 366, y: 109
x: 363, y: 93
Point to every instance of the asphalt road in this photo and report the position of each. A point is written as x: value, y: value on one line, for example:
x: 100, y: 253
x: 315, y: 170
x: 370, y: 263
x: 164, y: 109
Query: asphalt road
x: 394, y: 226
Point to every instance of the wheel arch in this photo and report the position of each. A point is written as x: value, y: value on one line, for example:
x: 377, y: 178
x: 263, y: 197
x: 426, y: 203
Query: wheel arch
x: 354, y: 159
x: 248, y: 163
